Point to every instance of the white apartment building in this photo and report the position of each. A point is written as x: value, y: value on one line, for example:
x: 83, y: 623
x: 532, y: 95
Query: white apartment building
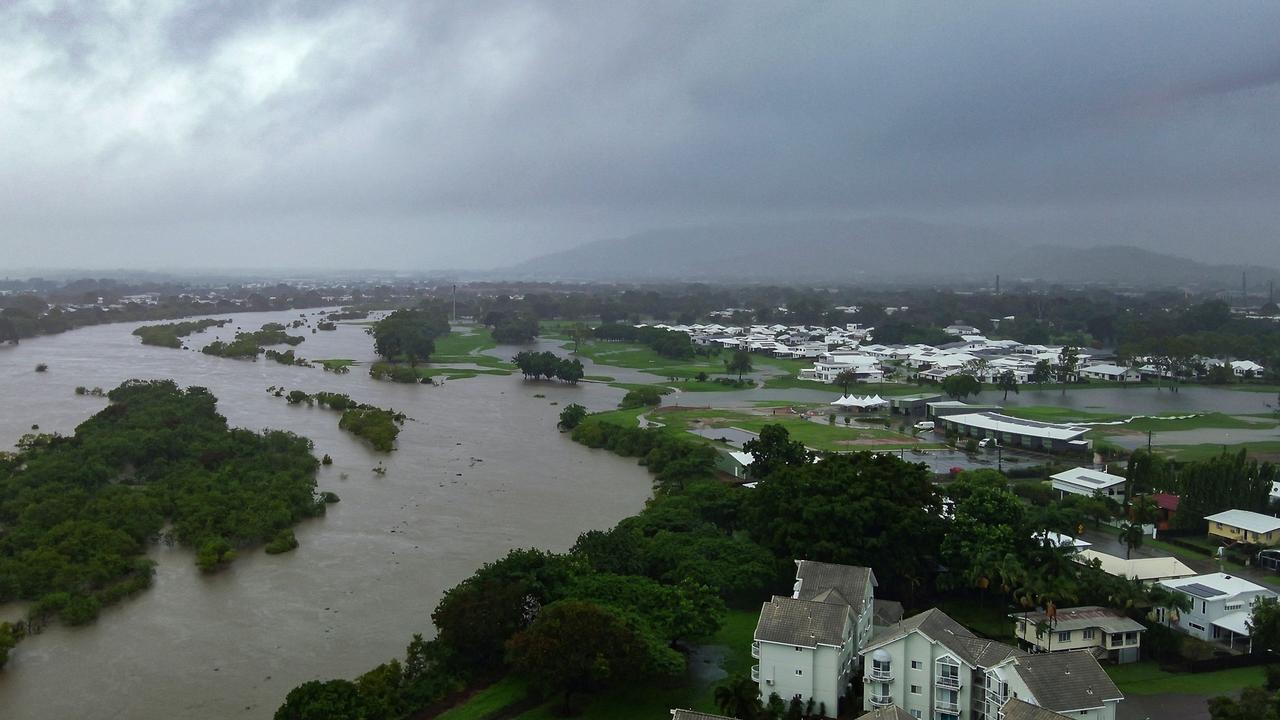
x: 933, y: 667
x: 807, y: 644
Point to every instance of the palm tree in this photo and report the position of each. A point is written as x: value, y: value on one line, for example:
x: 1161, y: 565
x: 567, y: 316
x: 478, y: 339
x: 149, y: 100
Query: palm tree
x: 1131, y: 535
x: 739, y: 697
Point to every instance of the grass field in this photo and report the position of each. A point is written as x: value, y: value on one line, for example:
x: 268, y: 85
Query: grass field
x: 336, y: 363
x: 1146, y: 678
x: 1269, y: 450
x: 819, y: 436
x: 497, y: 696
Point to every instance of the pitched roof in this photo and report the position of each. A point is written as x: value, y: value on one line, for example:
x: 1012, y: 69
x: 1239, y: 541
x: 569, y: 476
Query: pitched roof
x: 695, y: 715
x: 1167, y: 501
x: 887, y: 612
x: 802, y: 623
x: 1015, y: 709
x: 817, y: 578
x: 888, y: 712
x: 1087, y: 616
x: 1246, y: 520
x: 1066, y: 681
x: 939, y: 627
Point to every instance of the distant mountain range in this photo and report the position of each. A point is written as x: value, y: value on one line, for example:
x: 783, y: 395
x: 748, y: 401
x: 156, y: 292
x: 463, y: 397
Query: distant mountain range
x: 874, y: 251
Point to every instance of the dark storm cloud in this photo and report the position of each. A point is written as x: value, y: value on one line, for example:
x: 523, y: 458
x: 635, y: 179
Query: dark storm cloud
x: 475, y: 133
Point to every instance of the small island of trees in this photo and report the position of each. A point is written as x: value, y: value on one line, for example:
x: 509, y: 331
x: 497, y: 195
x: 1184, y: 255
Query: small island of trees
x: 79, y: 512
x: 375, y: 425
x: 535, y: 365
x: 170, y: 334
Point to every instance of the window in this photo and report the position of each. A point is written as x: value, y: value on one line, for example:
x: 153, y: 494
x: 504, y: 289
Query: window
x: 1064, y: 636
x: 1117, y: 639
x: 917, y: 665
x: 797, y: 649
x: 1233, y: 606
x: 1088, y: 633
x: 1204, y: 607
x: 799, y: 671
x: 915, y: 689
x: 916, y: 714
x: 1197, y: 627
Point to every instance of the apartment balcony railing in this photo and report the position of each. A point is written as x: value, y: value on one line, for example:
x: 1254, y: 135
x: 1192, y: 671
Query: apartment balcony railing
x: 881, y: 700
x: 755, y: 673
x: 881, y: 675
x: 755, y: 650
x: 951, y: 682
x: 946, y: 706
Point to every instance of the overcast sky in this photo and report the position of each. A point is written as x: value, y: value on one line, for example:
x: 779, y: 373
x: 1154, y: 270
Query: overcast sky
x: 426, y: 135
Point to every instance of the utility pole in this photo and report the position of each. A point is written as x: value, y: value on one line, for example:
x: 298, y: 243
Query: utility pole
x: 455, y: 305
x: 1148, y: 442
x: 997, y: 284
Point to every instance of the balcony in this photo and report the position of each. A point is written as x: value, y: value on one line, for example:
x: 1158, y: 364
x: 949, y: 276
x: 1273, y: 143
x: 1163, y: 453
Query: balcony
x: 950, y: 682
x: 881, y: 675
x: 755, y: 673
x: 946, y: 706
x: 755, y: 650
x: 881, y: 700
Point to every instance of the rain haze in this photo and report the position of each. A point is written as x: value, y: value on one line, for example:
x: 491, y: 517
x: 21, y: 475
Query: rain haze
x: 473, y: 135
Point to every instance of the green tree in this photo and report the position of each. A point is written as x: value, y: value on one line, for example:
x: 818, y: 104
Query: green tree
x: 774, y: 449
x: 572, y: 415
x: 316, y: 700
x: 1041, y: 373
x: 739, y: 363
x: 576, y: 646
x: 961, y: 386
x: 1264, y: 624
x: 845, y: 378
x: 1007, y: 381
x: 1065, y: 369
x: 852, y: 509
x: 1131, y: 536
x: 739, y: 697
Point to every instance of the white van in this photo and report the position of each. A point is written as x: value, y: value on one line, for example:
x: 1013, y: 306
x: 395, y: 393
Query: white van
x: 924, y: 425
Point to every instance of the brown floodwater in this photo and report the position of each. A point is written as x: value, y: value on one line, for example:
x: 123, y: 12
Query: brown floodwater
x: 479, y: 470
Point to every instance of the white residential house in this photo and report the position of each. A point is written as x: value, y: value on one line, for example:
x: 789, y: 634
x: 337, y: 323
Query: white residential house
x: 807, y: 644
x: 1103, y: 631
x: 1084, y: 481
x: 933, y: 667
x: 1220, y: 606
x: 1246, y: 368
x: 1111, y: 373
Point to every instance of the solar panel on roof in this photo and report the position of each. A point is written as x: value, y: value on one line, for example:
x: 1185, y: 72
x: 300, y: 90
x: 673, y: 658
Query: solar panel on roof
x: 1201, y: 591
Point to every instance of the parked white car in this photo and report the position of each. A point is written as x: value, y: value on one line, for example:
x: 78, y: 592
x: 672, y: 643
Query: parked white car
x: 924, y: 425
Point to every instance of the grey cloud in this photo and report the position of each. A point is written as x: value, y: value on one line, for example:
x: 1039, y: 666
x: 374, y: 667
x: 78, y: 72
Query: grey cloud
x: 463, y: 133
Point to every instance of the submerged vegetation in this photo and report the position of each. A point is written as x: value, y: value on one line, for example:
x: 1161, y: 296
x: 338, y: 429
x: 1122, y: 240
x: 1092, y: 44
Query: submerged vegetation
x: 170, y: 334
x: 375, y: 425
x: 250, y: 344
x: 159, y: 462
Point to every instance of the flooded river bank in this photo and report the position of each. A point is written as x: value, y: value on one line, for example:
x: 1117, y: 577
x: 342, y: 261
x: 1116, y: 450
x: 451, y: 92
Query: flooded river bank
x: 479, y: 470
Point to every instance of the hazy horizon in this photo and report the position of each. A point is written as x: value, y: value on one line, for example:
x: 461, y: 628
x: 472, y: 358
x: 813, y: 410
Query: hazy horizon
x: 427, y: 137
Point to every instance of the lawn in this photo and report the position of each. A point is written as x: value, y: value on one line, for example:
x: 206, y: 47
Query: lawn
x: 499, y: 695
x: 819, y: 436
x: 1146, y: 678
x: 989, y: 618
x: 335, y: 363
x: 1268, y: 449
